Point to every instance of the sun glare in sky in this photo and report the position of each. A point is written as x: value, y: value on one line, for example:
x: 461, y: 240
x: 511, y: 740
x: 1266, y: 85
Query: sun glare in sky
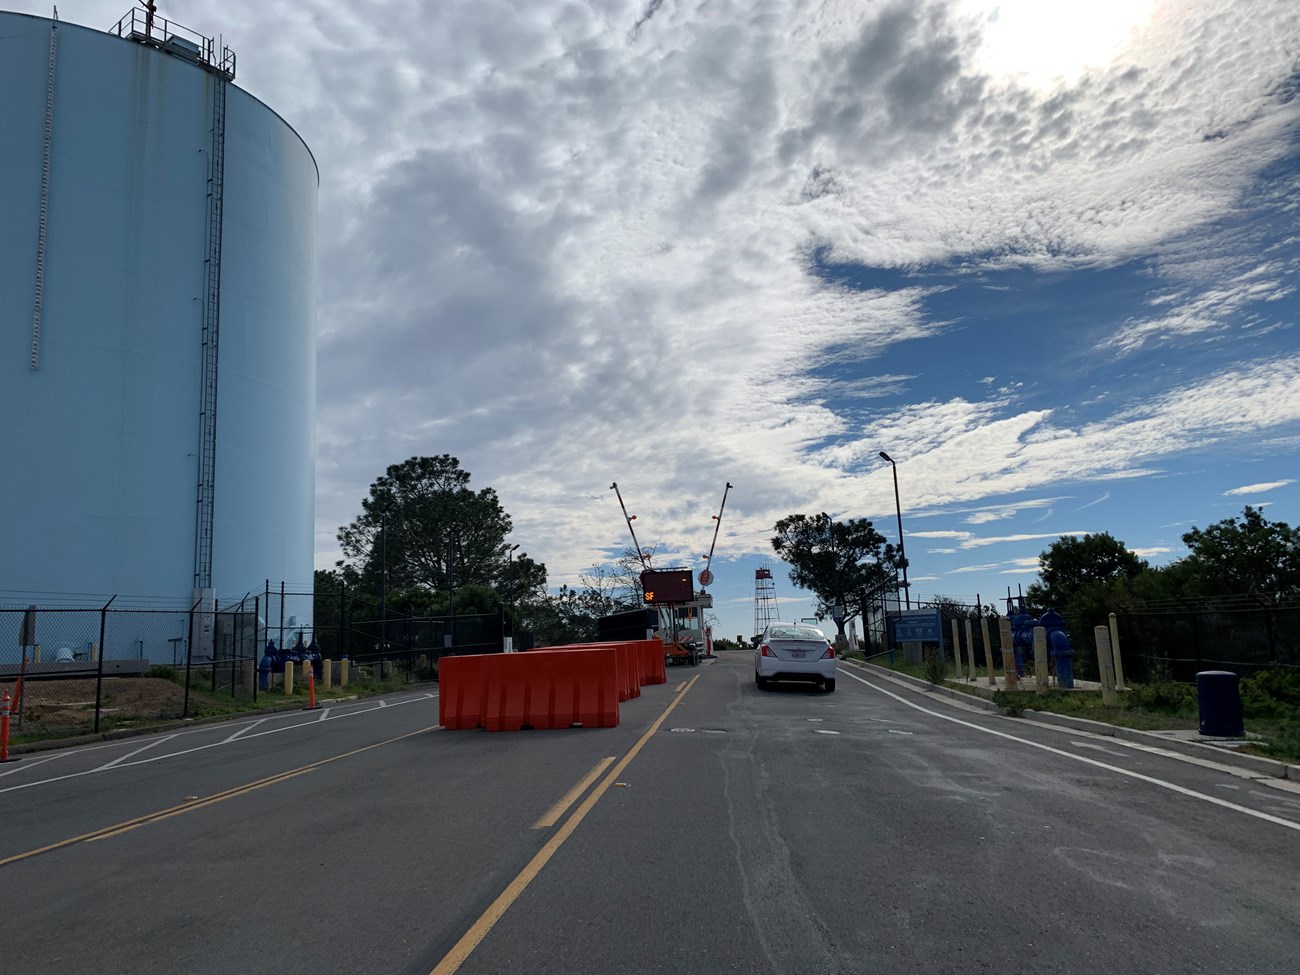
x: 1042, y: 42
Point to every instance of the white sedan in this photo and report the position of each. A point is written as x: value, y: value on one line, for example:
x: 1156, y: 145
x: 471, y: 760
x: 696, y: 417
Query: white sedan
x: 794, y: 651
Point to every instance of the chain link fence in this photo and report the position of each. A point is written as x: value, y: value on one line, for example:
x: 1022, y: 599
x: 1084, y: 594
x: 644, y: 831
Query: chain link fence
x: 77, y: 671
x: 1241, y: 633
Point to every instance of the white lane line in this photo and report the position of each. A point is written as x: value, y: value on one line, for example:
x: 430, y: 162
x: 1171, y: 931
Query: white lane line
x: 241, y: 731
x: 27, y: 765
x: 1171, y: 786
x: 324, y: 714
x: 1099, y: 748
x: 200, y: 748
x: 144, y: 748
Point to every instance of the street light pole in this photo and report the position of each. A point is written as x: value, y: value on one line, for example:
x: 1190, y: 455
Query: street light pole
x: 510, y: 581
x: 902, y: 554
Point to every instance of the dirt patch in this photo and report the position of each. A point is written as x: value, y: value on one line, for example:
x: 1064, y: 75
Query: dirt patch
x: 63, y: 705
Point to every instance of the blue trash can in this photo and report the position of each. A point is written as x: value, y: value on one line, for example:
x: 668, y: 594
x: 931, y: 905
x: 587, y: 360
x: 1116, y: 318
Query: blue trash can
x: 1218, y: 699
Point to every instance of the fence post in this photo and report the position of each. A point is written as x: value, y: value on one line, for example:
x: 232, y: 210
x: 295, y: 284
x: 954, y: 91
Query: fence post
x: 988, y: 648
x: 99, y: 671
x: 257, y: 643
x: 1040, y: 658
x: 956, y: 646
x: 281, y: 614
x: 1105, y: 666
x: 189, y: 659
x: 343, y: 610
x: 970, y: 651
x: 1009, y: 674
x: 216, y: 607
x: 1114, y: 652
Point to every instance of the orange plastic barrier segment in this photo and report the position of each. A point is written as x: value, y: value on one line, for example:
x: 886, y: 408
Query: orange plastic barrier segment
x: 551, y: 688
x: 460, y: 692
x: 653, y: 666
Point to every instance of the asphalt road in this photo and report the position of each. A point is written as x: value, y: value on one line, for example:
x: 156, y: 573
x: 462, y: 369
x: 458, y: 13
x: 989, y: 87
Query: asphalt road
x: 719, y: 829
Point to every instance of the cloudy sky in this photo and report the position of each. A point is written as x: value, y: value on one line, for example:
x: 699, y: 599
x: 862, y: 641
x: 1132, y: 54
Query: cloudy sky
x: 1043, y: 254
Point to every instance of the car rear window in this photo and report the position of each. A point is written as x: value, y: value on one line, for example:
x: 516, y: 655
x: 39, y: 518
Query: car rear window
x: 797, y: 633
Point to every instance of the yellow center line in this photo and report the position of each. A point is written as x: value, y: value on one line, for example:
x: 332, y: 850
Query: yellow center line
x: 239, y: 790
x: 480, y: 928
x: 569, y: 798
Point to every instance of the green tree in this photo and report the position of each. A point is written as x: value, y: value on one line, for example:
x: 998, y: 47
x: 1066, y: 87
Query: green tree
x: 1071, y: 565
x: 422, y: 525
x: 1246, y: 555
x: 834, y: 560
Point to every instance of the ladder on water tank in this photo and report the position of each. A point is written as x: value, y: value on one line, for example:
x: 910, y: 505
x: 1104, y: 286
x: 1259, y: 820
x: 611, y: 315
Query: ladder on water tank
x: 211, y: 335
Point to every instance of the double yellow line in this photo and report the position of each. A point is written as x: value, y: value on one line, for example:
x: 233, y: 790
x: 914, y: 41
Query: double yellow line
x: 154, y: 817
x: 480, y: 928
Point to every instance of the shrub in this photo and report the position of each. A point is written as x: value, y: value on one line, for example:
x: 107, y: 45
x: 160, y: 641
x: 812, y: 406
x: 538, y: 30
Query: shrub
x: 934, y: 667
x: 164, y: 673
x: 1163, y: 695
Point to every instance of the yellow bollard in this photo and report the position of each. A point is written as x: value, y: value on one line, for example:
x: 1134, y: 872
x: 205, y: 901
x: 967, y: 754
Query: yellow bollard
x: 1115, y: 655
x: 345, y: 668
x: 94, y: 653
x: 1009, y: 675
x: 970, y: 652
x: 326, y: 674
x: 1105, y: 666
x: 288, y: 678
x: 1040, y: 658
x: 956, y: 647
x: 988, y: 648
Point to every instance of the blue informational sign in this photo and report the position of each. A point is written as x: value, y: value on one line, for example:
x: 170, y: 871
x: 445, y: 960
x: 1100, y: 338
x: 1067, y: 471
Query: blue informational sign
x: 918, y: 626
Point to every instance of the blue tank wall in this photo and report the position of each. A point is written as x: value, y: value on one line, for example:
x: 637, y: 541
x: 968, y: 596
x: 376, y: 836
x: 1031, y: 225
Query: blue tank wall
x: 98, y: 478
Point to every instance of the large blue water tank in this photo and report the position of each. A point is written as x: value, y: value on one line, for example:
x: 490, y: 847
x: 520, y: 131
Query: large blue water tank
x: 101, y: 398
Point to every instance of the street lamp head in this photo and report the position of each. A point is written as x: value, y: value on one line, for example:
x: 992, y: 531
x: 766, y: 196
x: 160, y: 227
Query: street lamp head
x: 514, y: 546
x: 884, y: 456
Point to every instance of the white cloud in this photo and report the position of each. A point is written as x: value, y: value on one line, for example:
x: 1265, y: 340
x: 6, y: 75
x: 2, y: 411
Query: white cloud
x: 998, y: 540
x: 569, y: 249
x: 1105, y: 496
x: 1257, y: 488
x: 1150, y: 551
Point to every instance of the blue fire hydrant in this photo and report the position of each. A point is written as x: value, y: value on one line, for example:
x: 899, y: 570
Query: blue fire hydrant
x: 1022, y: 639
x: 316, y: 657
x: 270, y: 656
x: 1058, y: 645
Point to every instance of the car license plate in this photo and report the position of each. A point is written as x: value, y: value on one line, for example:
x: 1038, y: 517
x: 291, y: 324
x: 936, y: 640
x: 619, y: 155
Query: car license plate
x: 798, y: 654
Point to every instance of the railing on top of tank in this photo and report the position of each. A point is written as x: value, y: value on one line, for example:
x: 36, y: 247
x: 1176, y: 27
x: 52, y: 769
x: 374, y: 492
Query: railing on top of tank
x: 141, y: 25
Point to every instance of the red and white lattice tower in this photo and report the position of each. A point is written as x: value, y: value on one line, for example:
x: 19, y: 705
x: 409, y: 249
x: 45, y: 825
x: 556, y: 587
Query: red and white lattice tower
x: 765, y: 608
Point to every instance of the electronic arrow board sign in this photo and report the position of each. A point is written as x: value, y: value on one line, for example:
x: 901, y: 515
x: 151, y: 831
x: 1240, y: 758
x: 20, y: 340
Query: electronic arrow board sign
x: 667, y: 586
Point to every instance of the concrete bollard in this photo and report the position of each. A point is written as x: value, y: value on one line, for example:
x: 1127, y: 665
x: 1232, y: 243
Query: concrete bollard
x: 345, y: 666
x: 1115, y: 655
x: 970, y: 653
x: 326, y: 674
x: 956, y: 647
x: 1105, y: 666
x: 988, y: 649
x: 1009, y: 675
x: 1040, y: 658
x: 288, y: 678
x: 94, y: 653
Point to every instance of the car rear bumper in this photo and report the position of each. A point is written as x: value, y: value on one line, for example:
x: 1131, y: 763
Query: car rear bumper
x: 770, y: 668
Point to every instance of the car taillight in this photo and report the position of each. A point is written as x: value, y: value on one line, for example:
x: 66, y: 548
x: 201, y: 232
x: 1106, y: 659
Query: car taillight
x: 765, y: 651
x: 830, y: 653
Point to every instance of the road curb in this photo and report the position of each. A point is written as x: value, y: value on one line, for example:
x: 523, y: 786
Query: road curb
x: 924, y: 685
x: 1211, y: 753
